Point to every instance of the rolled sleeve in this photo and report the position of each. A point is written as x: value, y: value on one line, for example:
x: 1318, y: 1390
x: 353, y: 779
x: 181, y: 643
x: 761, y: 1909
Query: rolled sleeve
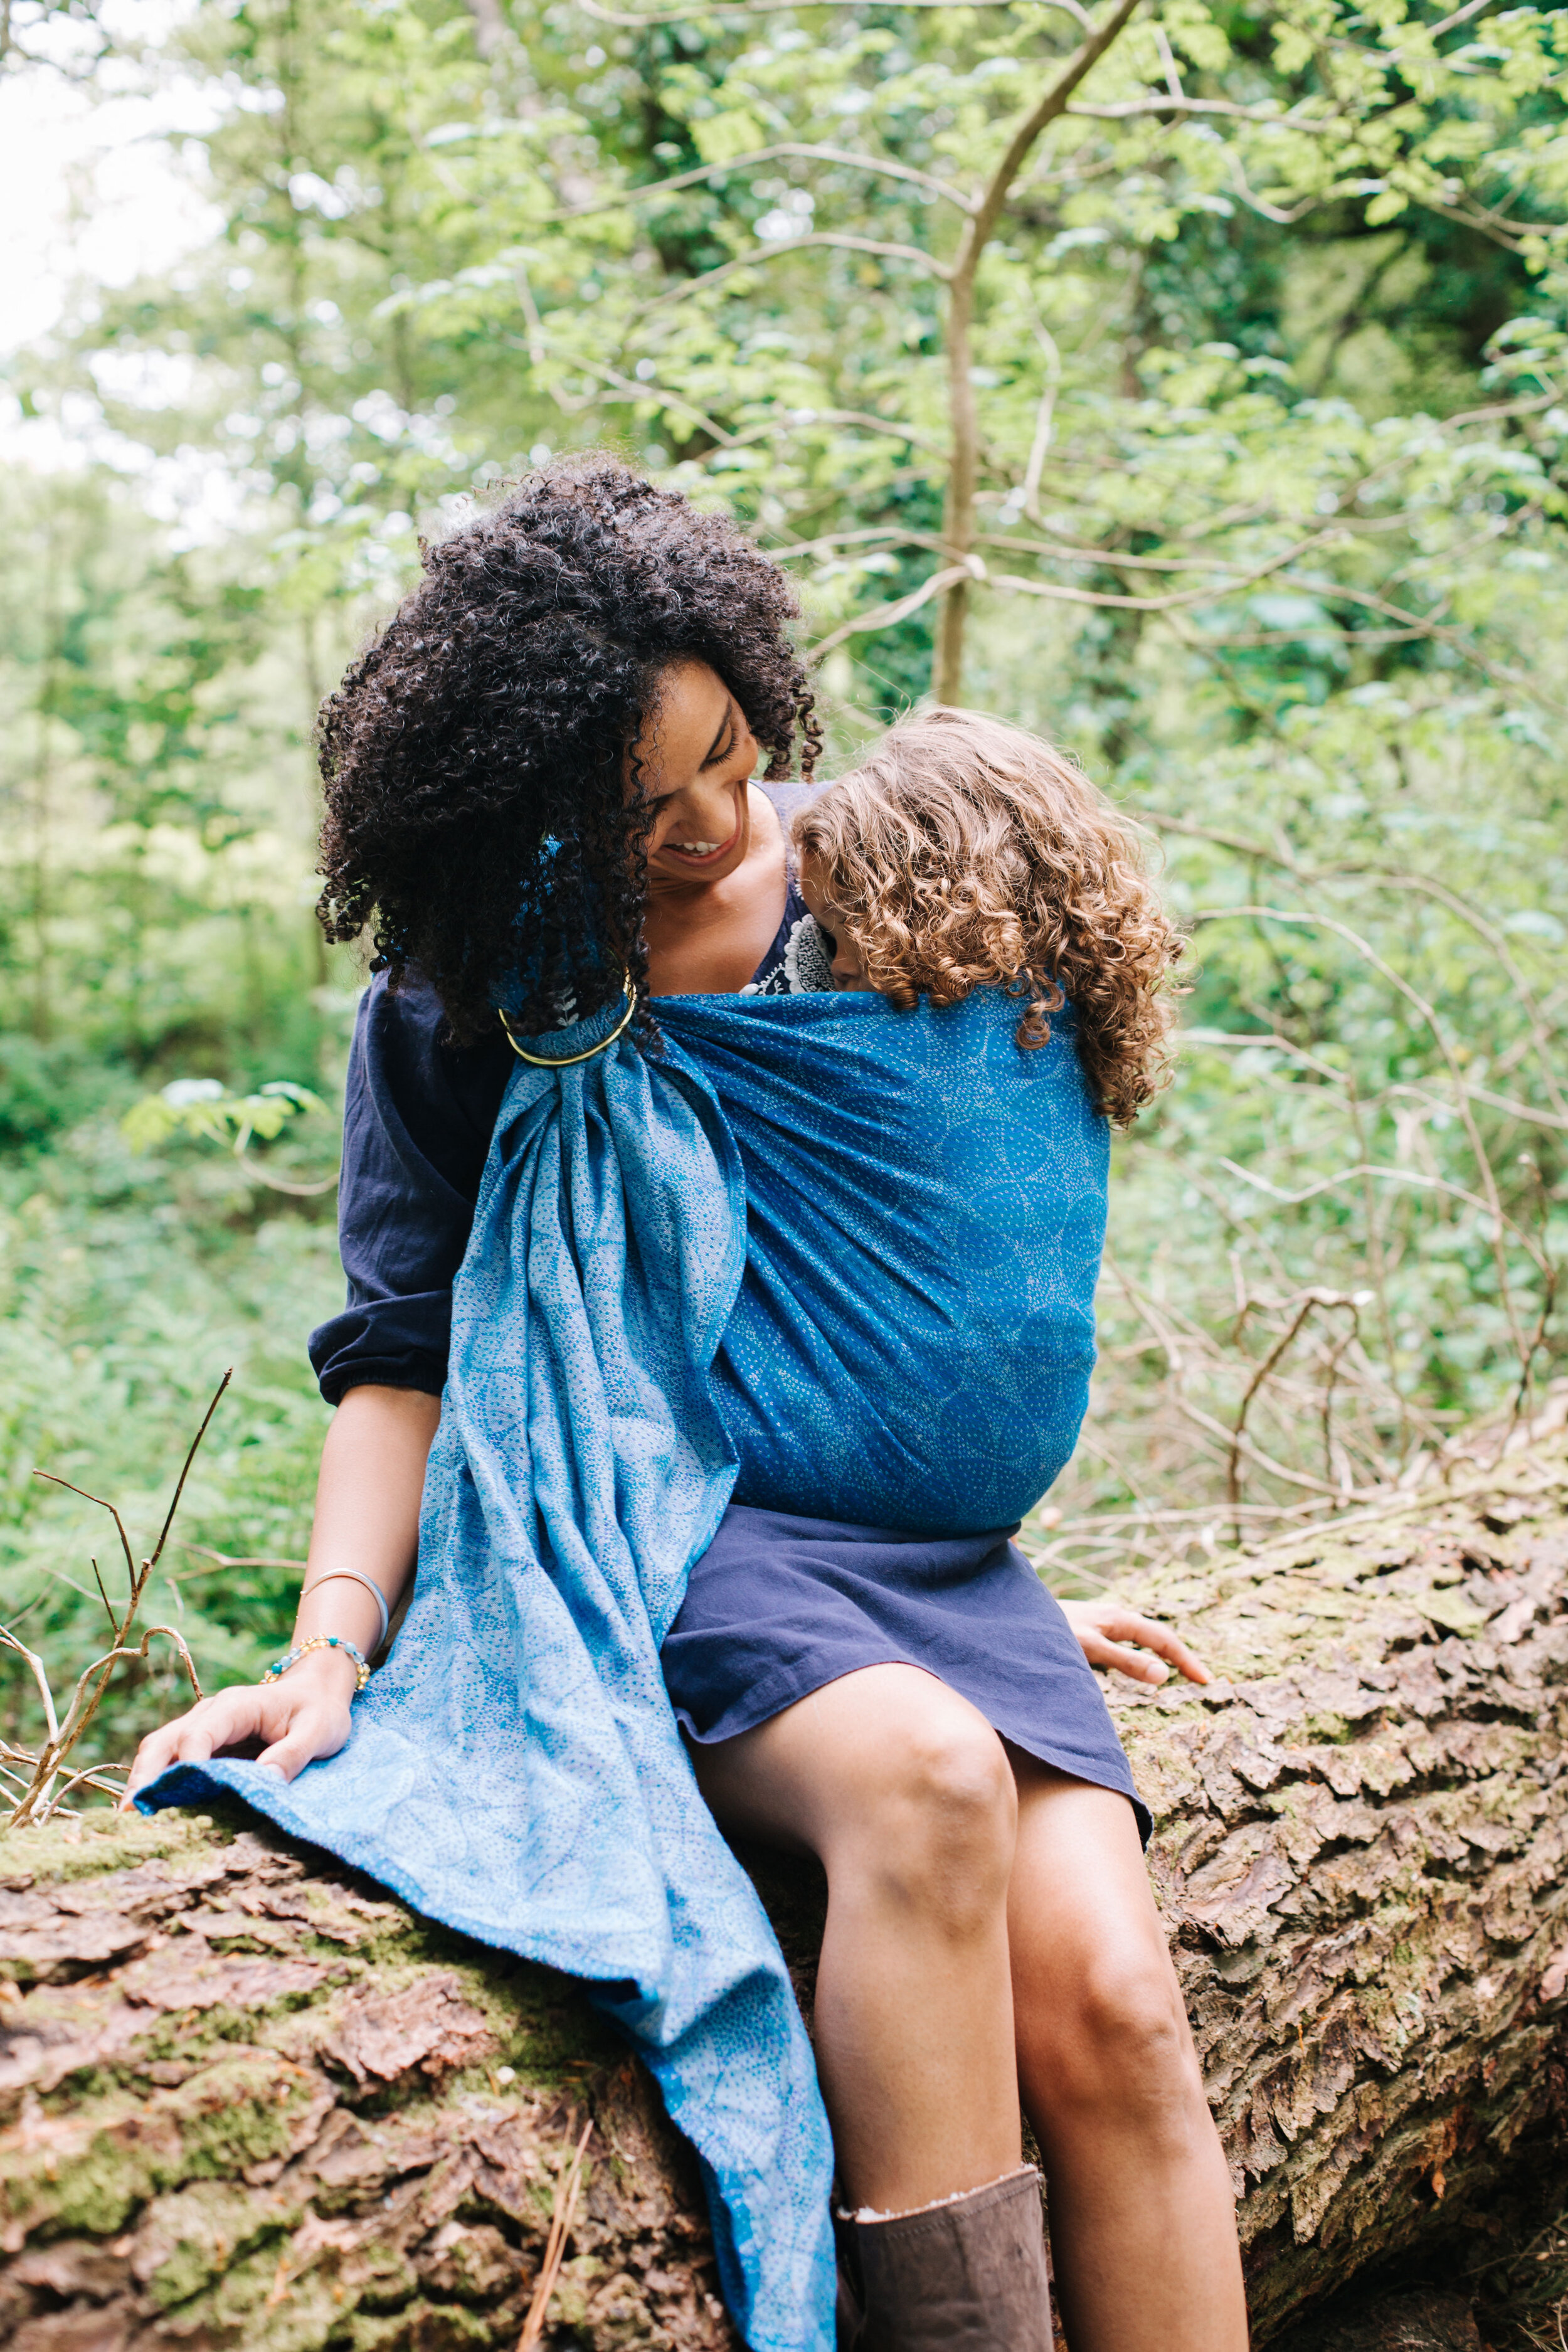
x: 418, y: 1115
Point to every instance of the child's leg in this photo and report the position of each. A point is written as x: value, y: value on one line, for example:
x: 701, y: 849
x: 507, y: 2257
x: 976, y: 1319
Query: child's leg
x: 904, y: 1791
x: 1143, y: 2217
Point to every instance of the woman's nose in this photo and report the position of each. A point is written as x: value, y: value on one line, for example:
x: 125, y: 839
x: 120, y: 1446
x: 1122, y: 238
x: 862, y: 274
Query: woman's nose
x: 704, y: 812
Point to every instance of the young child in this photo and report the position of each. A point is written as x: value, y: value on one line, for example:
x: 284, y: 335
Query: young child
x: 964, y: 854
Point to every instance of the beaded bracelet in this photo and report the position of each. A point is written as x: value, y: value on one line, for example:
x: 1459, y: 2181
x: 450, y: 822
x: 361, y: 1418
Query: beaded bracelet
x: 281, y: 1666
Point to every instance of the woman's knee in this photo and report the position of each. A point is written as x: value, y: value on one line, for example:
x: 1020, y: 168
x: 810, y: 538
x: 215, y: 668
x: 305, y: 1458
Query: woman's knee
x: 1116, y: 2042
x: 937, y: 1828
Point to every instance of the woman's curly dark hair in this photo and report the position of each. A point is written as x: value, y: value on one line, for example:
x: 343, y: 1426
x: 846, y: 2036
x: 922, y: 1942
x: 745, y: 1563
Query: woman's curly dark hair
x: 474, y: 755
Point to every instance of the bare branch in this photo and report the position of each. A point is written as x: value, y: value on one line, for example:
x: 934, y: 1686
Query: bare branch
x: 1127, y: 110
x: 1460, y: 16
x: 227, y: 1559
x: 35, y: 1667
x: 876, y: 535
x: 87, y: 1777
x: 75, y: 1723
x: 1336, y: 591
x: 114, y: 1620
x: 775, y: 248
x: 1114, y: 559
x: 119, y: 1522
x: 1486, y: 223
x: 186, y: 1472
x: 787, y: 148
x: 1460, y: 906
x: 884, y: 617
x: 253, y: 1168
x: 1394, y: 877
x: 1233, y: 1465
x: 629, y: 387
x: 1056, y: 591
x: 1052, y: 102
x: 1284, y: 217
x: 1414, y: 1176
x: 1271, y: 1041
x: 798, y: 420
x: 634, y: 23
x: 1045, y: 415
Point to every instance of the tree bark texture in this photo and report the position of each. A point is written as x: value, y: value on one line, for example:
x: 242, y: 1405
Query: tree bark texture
x: 249, y: 2101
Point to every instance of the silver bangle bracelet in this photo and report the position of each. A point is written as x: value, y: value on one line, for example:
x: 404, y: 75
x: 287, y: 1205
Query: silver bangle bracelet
x: 336, y: 1576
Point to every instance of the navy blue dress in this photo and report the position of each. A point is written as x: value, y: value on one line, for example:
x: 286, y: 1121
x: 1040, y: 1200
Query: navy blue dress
x: 778, y: 1605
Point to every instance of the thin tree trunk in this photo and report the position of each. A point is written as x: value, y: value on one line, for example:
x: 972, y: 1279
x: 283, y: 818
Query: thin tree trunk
x: 489, y: 27
x: 964, y: 466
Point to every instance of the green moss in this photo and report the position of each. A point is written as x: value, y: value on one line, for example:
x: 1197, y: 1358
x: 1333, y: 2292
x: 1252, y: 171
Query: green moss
x: 259, y: 2305
x: 235, y: 2113
x: 94, y: 2190
x: 207, y: 2230
x: 391, y: 2281
x: 433, y: 2328
x: 103, y: 1840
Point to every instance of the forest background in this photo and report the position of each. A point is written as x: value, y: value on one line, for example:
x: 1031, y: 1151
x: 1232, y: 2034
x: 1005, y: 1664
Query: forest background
x: 1187, y: 383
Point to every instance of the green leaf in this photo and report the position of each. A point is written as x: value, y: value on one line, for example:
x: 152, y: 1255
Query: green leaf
x: 722, y: 137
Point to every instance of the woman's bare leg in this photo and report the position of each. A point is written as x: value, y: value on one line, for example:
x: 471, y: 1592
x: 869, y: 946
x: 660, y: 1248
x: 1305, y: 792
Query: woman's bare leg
x: 1143, y: 2215
x: 904, y: 1791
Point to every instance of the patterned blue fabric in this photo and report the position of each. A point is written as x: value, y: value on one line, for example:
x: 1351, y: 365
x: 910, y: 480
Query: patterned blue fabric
x: 820, y: 1253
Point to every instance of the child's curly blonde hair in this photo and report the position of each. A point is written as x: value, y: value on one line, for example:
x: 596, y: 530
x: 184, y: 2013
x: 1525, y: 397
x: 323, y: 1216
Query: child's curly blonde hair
x: 963, y: 853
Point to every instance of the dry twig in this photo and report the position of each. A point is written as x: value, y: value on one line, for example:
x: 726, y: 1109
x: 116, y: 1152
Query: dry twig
x: 40, y: 1795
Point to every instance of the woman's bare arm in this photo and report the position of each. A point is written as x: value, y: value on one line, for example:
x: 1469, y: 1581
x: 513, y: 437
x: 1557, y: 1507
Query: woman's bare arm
x: 367, y: 1518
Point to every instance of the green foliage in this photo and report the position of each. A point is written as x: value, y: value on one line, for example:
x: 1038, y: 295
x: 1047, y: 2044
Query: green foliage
x: 127, y: 1284
x: 1258, y: 383
x: 202, y: 1106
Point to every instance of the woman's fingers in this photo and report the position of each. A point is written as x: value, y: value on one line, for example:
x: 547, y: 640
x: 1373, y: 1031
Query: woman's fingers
x: 221, y: 1721
x: 1102, y: 1626
x: 314, y: 1732
x: 1101, y: 1652
x: 156, y: 1753
x: 1150, y: 1635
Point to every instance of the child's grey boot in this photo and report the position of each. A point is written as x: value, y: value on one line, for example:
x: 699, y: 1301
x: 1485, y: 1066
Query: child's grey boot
x: 967, y: 2274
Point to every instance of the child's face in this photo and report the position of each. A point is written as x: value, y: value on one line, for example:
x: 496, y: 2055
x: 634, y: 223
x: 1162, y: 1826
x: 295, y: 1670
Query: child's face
x: 847, y: 969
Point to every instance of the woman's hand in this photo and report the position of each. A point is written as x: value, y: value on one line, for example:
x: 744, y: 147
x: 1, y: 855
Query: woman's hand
x: 1102, y: 1625
x: 303, y: 1716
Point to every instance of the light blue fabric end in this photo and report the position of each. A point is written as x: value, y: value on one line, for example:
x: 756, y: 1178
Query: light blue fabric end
x: 515, y: 1770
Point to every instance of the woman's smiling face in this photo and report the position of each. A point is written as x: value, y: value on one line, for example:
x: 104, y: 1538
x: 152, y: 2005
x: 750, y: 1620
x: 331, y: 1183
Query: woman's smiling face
x: 694, y: 761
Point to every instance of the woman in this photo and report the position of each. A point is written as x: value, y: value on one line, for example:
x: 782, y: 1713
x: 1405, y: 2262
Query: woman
x: 565, y: 718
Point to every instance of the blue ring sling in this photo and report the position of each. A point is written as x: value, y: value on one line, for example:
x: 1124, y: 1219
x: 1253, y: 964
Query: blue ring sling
x: 820, y: 1255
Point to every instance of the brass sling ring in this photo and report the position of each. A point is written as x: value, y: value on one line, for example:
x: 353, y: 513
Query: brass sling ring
x: 565, y: 1062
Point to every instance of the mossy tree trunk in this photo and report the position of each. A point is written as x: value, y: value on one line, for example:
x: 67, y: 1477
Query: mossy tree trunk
x: 251, y: 2102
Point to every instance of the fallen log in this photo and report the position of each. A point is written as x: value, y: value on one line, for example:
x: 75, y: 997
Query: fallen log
x: 1359, y: 1854
x: 249, y: 2100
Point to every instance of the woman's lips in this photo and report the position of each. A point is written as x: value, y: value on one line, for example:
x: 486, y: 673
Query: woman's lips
x: 698, y: 852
